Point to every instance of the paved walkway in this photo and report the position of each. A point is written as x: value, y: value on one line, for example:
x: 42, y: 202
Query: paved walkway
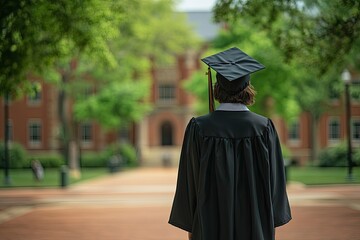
x: 135, y: 205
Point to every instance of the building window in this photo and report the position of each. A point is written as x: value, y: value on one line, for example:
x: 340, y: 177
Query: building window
x: 356, y: 130
x: 166, y: 92
x: 34, y: 133
x: 35, y: 98
x: 294, y: 131
x: 334, y: 129
x: 334, y: 94
x: 86, y: 132
x: 355, y: 91
x: 166, y: 134
x: 124, y: 135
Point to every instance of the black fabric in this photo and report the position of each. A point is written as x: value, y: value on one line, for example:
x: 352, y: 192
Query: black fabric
x: 233, y: 86
x: 233, y: 68
x: 233, y: 64
x: 231, y: 181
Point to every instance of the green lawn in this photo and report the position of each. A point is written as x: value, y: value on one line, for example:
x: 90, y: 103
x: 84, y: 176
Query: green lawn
x: 24, y: 177
x: 306, y: 175
x: 315, y: 175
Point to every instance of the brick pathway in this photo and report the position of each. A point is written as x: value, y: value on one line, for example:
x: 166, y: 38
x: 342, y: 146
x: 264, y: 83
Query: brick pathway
x: 136, y: 204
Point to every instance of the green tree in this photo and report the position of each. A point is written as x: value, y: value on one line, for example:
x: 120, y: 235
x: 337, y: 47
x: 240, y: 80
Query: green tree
x: 274, y: 84
x: 116, y: 105
x: 108, y: 46
x: 320, y: 37
x: 35, y: 34
x: 321, y: 33
x: 151, y: 34
x: 38, y: 35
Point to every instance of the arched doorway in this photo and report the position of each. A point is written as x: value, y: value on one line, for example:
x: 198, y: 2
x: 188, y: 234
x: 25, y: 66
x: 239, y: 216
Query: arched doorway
x: 166, y: 134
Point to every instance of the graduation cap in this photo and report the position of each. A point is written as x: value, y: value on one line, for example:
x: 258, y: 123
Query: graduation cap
x: 233, y: 68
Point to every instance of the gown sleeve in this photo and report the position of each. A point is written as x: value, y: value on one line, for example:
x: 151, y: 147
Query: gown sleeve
x: 280, y: 202
x: 184, y: 204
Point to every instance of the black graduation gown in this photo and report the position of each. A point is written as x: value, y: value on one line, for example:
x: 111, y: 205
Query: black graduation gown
x: 231, y: 182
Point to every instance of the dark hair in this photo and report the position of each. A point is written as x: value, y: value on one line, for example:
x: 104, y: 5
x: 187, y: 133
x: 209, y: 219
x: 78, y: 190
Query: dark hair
x: 246, y: 96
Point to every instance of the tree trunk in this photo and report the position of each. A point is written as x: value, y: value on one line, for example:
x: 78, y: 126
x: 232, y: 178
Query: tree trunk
x: 314, y: 137
x: 75, y: 150
x: 62, y: 113
x: 7, y: 181
x: 69, y: 142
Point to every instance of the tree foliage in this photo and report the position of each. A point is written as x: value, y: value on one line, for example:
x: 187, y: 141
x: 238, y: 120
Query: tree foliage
x: 320, y: 33
x: 150, y: 34
x: 35, y: 34
x: 320, y: 37
x: 66, y: 41
x: 116, y: 105
x: 274, y: 84
x: 153, y: 29
x: 106, y: 48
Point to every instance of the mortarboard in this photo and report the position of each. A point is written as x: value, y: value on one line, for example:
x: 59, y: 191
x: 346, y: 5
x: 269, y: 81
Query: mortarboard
x: 233, y: 68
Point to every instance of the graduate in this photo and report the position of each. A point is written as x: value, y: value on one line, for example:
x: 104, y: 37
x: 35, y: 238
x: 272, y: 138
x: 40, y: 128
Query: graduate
x: 231, y: 180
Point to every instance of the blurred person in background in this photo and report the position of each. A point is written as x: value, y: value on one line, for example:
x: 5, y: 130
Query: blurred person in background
x: 37, y: 170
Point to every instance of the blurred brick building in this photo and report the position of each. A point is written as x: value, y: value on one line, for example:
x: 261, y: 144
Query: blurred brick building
x: 34, y: 121
x: 329, y: 132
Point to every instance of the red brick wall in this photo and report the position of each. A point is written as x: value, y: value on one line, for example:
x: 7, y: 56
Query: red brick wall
x: 46, y: 111
x: 21, y: 111
x: 336, y: 109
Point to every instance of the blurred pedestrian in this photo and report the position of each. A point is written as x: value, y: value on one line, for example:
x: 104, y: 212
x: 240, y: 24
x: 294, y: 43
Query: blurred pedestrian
x: 231, y: 181
x: 115, y: 163
x: 37, y: 170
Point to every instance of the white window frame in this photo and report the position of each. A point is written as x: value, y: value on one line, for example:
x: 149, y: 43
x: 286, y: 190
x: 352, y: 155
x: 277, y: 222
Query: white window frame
x: 166, y: 92
x: 295, y: 141
x: 333, y: 141
x: 31, y: 142
x: 36, y: 101
x: 353, y: 120
x: 86, y: 143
